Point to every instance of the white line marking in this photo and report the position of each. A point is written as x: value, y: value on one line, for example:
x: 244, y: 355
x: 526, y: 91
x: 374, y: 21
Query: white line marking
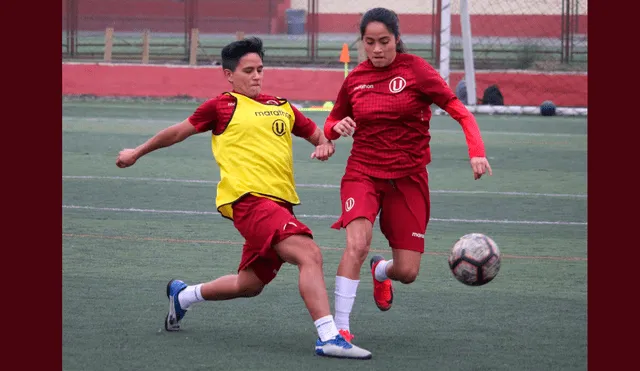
x: 303, y: 185
x: 443, y: 131
x: 310, y: 216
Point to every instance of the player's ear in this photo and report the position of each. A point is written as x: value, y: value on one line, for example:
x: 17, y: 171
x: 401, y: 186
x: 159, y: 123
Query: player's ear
x: 228, y: 74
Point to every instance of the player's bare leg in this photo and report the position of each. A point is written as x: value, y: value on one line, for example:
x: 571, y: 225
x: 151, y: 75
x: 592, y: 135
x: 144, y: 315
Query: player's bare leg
x: 182, y: 296
x: 359, y: 234
x: 302, y: 251
x: 242, y: 285
x: 404, y: 266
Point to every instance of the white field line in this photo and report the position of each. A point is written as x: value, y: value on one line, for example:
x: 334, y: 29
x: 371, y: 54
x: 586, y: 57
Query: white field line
x: 311, y: 216
x: 304, y: 185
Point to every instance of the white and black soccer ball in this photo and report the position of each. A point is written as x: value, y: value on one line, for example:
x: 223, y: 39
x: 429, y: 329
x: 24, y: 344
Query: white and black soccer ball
x: 475, y: 259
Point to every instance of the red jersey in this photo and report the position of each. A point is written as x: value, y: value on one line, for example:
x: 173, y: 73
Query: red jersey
x: 391, y: 109
x: 215, y: 114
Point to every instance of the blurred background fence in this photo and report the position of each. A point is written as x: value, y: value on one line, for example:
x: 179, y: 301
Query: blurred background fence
x: 548, y: 35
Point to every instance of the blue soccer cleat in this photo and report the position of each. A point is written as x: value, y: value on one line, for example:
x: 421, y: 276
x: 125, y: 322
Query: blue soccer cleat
x: 176, y: 313
x: 338, y: 347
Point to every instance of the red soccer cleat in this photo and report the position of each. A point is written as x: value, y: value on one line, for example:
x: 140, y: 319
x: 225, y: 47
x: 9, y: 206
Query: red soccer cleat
x: 382, y: 291
x: 346, y: 335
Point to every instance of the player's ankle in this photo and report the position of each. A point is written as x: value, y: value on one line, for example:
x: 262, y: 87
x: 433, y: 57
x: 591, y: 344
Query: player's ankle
x: 382, y: 269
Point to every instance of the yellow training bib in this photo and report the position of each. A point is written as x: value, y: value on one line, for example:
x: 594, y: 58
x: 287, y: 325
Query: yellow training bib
x: 255, y: 154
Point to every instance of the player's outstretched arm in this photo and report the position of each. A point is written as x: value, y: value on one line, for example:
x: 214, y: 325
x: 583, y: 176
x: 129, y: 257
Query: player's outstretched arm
x: 164, y: 138
x: 478, y: 161
x: 433, y: 85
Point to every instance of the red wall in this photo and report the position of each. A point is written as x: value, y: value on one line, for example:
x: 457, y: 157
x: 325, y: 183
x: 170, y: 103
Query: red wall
x: 319, y: 85
x: 268, y: 16
x: 169, y: 15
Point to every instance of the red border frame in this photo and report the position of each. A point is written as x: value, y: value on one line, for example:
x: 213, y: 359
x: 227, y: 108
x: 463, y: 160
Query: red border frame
x: 32, y: 147
x: 612, y: 132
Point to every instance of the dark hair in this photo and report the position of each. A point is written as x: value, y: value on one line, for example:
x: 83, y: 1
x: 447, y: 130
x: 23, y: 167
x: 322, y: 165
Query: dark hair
x: 387, y: 17
x: 232, y: 53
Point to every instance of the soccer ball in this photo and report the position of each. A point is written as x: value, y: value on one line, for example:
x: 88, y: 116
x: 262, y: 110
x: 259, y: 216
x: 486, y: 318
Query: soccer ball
x: 474, y: 259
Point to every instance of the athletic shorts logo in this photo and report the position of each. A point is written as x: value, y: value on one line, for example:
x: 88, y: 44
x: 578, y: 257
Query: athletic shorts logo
x: 397, y: 84
x: 278, y: 127
x: 419, y: 235
x: 292, y: 223
x: 349, y: 203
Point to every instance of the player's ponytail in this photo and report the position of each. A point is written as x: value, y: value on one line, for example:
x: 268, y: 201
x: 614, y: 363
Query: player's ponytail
x: 387, y: 17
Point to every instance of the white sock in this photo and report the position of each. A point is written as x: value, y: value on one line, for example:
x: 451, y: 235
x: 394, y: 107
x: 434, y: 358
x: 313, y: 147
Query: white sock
x: 190, y: 295
x: 345, y: 296
x: 381, y: 270
x: 326, y: 328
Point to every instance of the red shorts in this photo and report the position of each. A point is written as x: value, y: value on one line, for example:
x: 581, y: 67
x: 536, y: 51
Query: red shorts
x: 403, y: 204
x: 263, y: 223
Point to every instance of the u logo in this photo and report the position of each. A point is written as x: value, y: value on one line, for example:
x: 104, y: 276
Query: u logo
x: 397, y: 84
x: 278, y: 127
x: 349, y: 204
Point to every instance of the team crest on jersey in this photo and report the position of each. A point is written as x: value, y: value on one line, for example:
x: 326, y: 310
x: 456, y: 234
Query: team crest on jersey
x: 279, y: 127
x: 397, y: 84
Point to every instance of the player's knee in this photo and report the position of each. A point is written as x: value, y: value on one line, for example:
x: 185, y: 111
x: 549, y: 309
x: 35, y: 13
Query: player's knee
x: 359, y: 233
x: 251, y: 291
x: 358, y: 247
x: 308, y: 255
x: 250, y: 288
x: 314, y: 256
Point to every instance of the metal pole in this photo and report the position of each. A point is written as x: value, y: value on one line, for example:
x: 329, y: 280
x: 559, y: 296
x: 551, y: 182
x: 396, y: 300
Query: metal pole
x: 445, y: 39
x: 436, y: 16
x: 467, y: 50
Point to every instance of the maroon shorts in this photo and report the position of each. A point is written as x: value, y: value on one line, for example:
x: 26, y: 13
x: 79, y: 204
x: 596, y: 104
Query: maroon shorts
x: 263, y: 223
x: 403, y: 204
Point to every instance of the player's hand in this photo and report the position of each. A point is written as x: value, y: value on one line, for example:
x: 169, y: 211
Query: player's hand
x: 480, y: 165
x: 126, y: 158
x: 324, y: 151
x: 345, y: 127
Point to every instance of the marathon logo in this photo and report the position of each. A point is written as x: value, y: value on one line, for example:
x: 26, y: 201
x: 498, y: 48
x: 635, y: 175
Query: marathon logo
x: 274, y: 113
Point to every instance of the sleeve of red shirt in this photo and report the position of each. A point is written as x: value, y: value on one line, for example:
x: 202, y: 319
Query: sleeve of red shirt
x: 303, y: 126
x: 460, y: 113
x: 205, y: 117
x: 432, y: 84
x: 340, y: 110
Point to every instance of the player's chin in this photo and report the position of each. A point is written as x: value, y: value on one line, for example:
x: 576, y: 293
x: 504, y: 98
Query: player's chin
x: 379, y: 62
x: 254, y: 91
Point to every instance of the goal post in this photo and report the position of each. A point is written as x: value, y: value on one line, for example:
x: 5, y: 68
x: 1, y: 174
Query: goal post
x: 534, y: 52
x: 445, y: 39
x: 467, y: 52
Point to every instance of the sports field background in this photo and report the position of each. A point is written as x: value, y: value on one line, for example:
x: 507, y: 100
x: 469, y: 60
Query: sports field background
x: 127, y: 232
x: 498, y: 52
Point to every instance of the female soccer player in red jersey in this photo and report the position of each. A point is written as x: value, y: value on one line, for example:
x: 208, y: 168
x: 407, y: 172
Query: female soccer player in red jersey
x: 384, y: 103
